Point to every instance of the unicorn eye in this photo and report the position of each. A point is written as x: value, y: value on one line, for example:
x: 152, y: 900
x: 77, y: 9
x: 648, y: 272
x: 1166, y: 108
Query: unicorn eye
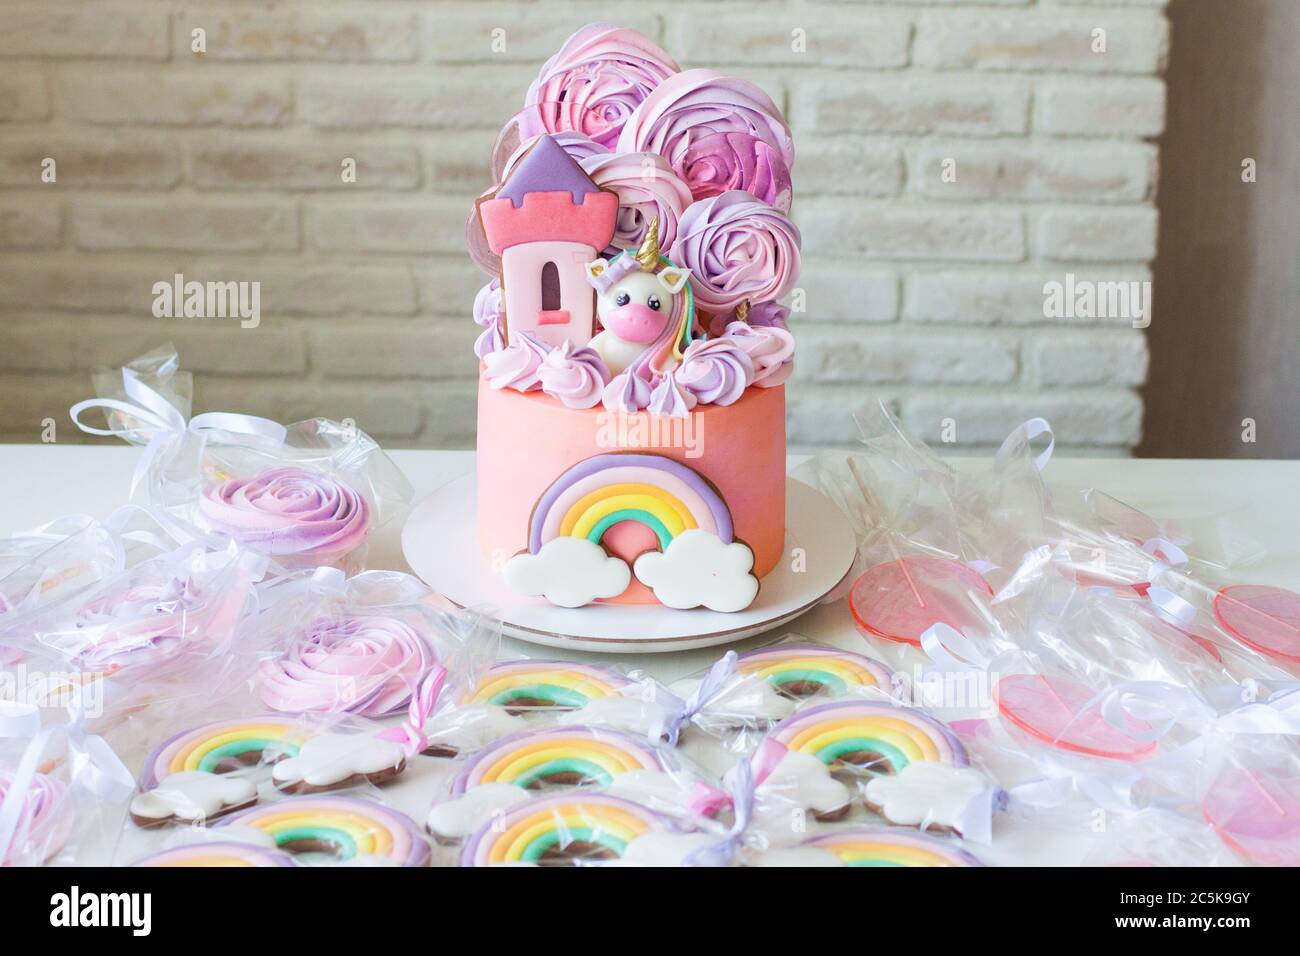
x: 622, y: 299
x: 653, y: 302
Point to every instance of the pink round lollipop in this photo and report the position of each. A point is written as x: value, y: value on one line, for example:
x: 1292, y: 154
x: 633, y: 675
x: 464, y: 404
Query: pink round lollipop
x: 900, y: 600
x: 1060, y: 713
x: 1266, y: 619
x: 1256, y: 814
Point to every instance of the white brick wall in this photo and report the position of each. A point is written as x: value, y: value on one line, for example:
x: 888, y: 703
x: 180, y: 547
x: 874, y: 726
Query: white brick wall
x: 921, y: 287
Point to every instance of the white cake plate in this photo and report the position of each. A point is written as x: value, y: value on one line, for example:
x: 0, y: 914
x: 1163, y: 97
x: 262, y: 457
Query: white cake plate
x: 440, y: 542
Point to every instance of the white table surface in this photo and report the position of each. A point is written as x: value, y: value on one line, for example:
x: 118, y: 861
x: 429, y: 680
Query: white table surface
x: 1256, y: 498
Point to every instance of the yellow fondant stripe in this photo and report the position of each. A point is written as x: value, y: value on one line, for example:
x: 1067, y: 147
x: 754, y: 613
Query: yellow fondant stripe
x: 568, y: 524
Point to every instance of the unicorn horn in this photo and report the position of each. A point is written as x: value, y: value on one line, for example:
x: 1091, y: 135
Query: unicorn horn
x: 648, y: 254
x: 742, y: 311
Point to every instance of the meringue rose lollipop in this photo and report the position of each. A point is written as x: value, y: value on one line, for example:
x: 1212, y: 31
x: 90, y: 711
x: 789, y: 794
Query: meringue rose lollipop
x: 596, y: 81
x: 44, y: 820
x: 738, y: 249
x: 367, y: 664
x: 289, y: 512
x: 647, y: 190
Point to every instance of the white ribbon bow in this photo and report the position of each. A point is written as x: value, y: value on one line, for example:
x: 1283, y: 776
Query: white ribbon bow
x: 1021, y: 436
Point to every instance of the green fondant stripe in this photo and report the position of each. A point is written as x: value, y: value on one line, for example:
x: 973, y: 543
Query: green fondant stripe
x: 213, y: 758
x: 824, y: 678
x: 537, y: 849
x: 896, y: 758
x: 631, y: 514
x: 343, y: 844
x: 591, y: 772
x: 559, y: 696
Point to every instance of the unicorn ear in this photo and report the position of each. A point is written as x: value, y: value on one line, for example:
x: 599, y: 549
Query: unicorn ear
x: 673, y: 278
x: 596, y: 268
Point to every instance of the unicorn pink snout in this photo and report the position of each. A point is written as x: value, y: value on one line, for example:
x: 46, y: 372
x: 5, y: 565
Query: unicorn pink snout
x: 635, y: 323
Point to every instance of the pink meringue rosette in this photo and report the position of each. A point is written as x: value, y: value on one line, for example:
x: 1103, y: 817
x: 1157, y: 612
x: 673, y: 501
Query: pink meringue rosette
x: 719, y: 133
x: 44, y: 823
x: 289, y: 512
x: 138, y: 625
x: 576, y: 376
x: 669, y: 399
x: 367, y: 664
x: 738, y: 250
x: 596, y: 82
x: 647, y: 189
x: 770, y: 349
x: 516, y: 365
x: 715, y: 371
x: 626, y: 392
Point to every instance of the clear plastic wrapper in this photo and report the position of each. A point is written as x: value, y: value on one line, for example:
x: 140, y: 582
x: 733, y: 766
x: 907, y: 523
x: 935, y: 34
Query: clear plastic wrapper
x: 868, y: 846
x: 305, y: 494
x: 518, y: 768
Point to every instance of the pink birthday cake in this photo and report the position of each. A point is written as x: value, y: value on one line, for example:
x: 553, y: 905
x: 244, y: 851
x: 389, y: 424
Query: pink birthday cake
x: 631, y: 411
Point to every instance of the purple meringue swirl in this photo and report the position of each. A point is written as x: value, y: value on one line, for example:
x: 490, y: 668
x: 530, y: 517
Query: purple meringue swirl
x: 516, y: 366
x: 770, y: 349
x: 719, y: 133
x: 626, y: 392
x: 715, y: 371
x: 487, y: 304
x: 647, y: 188
x: 738, y: 249
x: 367, y: 664
x: 596, y: 81
x: 670, y: 399
x: 576, y: 376
x: 288, y: 511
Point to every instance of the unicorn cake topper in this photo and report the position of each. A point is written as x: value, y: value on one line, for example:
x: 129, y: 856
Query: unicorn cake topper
x: 645, y: 307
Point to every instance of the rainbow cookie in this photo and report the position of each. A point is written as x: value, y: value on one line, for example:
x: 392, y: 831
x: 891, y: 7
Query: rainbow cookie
x: 218, y: 854
x: 868, y: 846
x: 805, y: 670
x: 500, y: 776
x: 880, y: 737
x: 351, y: 830
x: 562, y: 830
x: 525, y: 685
x: 189, y: 777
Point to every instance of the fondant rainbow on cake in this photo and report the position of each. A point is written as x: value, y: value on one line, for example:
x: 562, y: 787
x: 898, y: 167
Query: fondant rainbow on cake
x: 883, y: 738
x: 560, y: 829
x: 572, y: 756
x: 802, y: 670
x: 347, y: 828
x: 529, y: 684
x: 225, y: 745
x: 218, y: 855
x: 594, y: 495
x: 864, y: 846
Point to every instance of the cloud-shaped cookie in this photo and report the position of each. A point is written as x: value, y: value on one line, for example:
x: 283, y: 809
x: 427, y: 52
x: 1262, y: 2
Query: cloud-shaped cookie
x: 926, y: 794
x: 192, y: 796
x: 568, y: 572
x: 698, y: 569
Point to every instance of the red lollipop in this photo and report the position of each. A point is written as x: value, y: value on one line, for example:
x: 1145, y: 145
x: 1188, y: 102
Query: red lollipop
x: 1060, y: 713
x: 1264, y: 618
x: 900, y: 600
x: 1257, y: 815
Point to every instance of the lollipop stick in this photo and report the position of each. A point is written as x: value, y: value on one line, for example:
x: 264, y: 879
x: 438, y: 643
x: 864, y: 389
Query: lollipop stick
x: 1263, y: 792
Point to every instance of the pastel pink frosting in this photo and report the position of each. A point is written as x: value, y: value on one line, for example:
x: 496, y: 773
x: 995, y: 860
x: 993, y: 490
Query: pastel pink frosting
x: 517, y: 365
x: 770, y: 349
x: 365, y: 664
x: 647, y: 188
x: 738, y: 249
x: 596, y: 82
x: 288, y: 511
x: 719, y: 133
x: 715, y: 371
x: 576, y: 376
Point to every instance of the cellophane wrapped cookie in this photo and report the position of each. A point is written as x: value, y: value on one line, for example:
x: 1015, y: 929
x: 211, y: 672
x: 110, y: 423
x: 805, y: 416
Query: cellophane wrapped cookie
x: 306, y: 494
x: 303, y: 788
x: 524, y: 767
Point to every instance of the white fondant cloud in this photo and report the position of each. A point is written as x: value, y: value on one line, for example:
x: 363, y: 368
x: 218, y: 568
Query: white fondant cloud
x: 568, y: 572
x: 697, y: 569
x: 660, y: 848
x: 193, y: 796
x: 926, y: 792
x: 473, y: 726
x: 631, y: 714
x: 457, y: 819
x: 328, y: 759
x: 802, y: 780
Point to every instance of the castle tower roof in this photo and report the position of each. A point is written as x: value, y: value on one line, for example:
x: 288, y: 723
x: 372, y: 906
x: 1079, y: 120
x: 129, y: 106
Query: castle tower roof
x: 547, y: 168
